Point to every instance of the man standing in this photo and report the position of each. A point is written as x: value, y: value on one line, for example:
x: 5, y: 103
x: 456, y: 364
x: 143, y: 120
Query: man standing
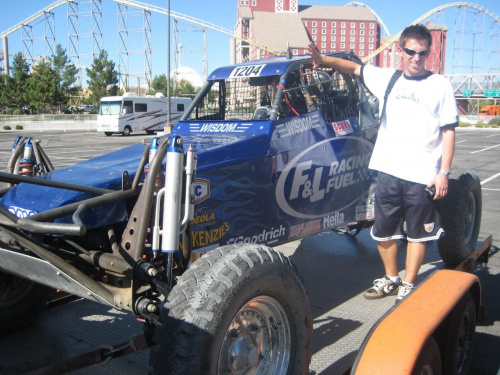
x: 414, y: 150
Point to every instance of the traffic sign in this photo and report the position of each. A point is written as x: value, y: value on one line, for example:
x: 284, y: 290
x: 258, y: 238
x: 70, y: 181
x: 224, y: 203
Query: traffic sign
x: 467, y: 93
x: 492, y: 93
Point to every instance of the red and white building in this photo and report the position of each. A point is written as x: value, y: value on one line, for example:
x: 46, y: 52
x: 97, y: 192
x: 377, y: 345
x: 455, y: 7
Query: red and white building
x: 279, y: 25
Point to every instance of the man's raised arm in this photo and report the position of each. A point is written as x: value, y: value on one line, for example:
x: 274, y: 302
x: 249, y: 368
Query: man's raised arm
x: 341, y: 65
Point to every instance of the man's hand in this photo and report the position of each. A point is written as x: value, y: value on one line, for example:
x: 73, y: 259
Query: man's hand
x: 315, y: 54
x: 441, y: 184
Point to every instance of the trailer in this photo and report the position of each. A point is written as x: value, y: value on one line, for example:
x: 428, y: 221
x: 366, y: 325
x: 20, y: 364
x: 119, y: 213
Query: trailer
x: 130, y: 113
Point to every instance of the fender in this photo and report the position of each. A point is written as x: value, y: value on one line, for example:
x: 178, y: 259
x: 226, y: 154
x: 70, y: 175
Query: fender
x: 395, y: 342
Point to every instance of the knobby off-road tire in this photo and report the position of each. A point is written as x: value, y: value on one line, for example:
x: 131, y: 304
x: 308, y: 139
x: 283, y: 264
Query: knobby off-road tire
x: 461, y: 216
x: 21, y: 302
x: 238, y: 308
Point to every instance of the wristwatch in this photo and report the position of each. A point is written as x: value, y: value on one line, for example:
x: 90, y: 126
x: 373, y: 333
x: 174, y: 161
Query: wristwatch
x: 446, y: 173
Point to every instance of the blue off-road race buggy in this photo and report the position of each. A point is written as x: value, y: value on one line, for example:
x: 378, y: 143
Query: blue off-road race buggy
x: 179, y: 230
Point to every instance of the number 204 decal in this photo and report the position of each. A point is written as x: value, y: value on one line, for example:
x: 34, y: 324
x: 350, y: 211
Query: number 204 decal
x: 247, y: 71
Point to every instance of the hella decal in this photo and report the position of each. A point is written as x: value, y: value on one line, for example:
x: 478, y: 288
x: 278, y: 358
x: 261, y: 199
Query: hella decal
x: 201, y: 190
x: 310, y: 181
x: 333, y: 220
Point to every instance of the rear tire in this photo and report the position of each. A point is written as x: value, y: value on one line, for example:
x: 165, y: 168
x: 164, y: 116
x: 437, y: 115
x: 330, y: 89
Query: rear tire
x: 238, y: 309
x: 429, y: 360
x: 461, y: 337
x: 21, y: 302
x: 461, y: 217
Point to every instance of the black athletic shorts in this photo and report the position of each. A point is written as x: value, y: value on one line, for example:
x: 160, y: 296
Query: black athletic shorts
x: 399, y: 202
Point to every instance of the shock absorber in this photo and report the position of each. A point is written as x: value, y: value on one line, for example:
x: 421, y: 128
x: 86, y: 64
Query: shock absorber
x: 160, y: 178
x: 27, y: 161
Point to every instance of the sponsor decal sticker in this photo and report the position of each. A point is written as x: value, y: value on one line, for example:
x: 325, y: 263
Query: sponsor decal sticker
x: 320, y: 181
x: 342, y: 127
x: 198, y: 253
x: 203, y: 219
x: 267, y: 236
x: 333, y: 220
x: 304, y: 229
x: 21, y: 212
x: 298, y: 125
x: 219, y: 127
x: 201, y: 190
x: 365, y: 212
x: 210, y: 236
x: 247, y: 71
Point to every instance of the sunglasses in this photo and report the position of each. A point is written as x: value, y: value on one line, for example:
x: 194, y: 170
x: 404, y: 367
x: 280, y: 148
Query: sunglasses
x: 412, y: 52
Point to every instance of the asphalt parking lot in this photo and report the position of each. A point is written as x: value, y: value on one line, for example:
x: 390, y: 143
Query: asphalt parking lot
x: 335, y: 268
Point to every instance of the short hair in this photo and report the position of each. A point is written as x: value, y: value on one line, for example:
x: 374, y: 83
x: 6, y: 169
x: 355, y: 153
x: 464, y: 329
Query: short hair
x: 418, y: 32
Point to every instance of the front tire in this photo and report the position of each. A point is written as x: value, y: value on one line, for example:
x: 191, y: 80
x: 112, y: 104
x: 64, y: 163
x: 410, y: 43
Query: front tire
x: 127, y: 130
x: 21, y: 302
x: 238, y: 309
x: 461, y: 217
x: 108, y: 134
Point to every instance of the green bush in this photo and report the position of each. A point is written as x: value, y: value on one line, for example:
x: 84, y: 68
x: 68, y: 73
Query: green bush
x: 16, y: 111
x: 495, y: 126
x: 6, y: 127
x: 481, y: 124
x: 463, y: 124
x: 494, y: 121
x: 19, y: 127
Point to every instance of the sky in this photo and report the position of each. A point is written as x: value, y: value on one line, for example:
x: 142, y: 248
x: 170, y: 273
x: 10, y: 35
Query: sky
x: 395, y: 14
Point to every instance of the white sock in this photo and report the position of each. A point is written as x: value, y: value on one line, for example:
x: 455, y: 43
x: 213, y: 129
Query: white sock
x: 395, y: 279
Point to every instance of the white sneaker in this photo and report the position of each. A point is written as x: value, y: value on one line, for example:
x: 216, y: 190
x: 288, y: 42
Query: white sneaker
x: 403, y: 291
x: 381, y: 288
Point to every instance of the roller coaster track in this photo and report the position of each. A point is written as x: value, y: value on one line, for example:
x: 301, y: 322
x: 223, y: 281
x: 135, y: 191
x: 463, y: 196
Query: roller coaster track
x: 371, y: 10
x: 425, y: 16
x: 34, y: 17
x: 153, y: 8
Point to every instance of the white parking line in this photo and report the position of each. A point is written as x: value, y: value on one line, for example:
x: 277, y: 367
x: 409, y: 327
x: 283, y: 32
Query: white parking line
x: 484, y: 149
x: 460, y: 142
x: 490, y: 178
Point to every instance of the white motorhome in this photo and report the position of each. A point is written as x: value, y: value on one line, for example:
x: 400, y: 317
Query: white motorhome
x: 130, y: 112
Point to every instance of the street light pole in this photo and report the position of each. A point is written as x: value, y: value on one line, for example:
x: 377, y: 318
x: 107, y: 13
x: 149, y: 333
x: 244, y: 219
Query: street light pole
x: 168, y: 127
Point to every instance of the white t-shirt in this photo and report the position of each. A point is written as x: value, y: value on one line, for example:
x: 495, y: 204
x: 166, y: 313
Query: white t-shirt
x: 409, y: 143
